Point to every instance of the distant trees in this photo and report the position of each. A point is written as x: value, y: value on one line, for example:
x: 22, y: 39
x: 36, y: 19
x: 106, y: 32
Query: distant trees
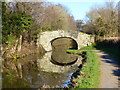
x: 80, y: 24
x: 48, y: 16
x: 27, y: 19
x: 103, y: 21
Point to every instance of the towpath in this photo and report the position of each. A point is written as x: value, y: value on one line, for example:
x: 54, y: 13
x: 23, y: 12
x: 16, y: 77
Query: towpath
x: 110, y: 71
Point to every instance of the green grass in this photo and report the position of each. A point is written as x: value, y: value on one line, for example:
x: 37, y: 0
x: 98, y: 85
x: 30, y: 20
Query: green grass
x: 74, y: 51
x: 89, y: 47
x: 91, y: 72
x: 82, y: 49
x: 112, y: 51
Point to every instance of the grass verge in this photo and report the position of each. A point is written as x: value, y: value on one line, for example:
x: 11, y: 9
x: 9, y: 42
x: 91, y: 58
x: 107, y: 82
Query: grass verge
x: 82, y: 49
x: 91, y: 72
x: 113, y: 51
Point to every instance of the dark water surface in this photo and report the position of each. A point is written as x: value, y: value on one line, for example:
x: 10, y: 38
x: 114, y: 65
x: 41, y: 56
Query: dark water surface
x: 35, y: 71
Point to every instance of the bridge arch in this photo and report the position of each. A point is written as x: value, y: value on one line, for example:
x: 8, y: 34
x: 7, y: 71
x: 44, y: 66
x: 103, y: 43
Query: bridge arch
x: 74, y: 42
x: 45, y: 38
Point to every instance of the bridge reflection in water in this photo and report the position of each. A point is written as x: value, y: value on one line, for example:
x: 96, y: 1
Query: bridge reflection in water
x: 59, y: 54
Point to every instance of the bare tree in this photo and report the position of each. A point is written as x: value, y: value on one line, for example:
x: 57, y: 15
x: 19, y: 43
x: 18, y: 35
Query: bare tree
x: 104, y: 20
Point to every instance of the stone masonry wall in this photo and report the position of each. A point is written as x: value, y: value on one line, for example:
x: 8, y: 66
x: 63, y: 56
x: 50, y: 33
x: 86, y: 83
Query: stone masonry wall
x: 82, y: 39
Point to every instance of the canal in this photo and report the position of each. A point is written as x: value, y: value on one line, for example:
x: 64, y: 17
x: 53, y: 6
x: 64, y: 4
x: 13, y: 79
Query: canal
x: 52, y: 69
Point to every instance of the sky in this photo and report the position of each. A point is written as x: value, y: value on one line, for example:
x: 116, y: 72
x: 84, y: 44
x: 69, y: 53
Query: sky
x: 79, y: 8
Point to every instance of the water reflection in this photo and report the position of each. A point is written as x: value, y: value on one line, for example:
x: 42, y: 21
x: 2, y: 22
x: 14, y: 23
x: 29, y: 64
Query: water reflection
x: 59, y: 47
x: 35, y: 71
x: 67, y: 81
x: 45, y: 64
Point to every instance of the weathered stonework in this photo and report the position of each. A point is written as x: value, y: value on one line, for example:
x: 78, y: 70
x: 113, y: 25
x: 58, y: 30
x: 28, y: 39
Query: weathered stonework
x: 45, y: 38
x: 44, y: 64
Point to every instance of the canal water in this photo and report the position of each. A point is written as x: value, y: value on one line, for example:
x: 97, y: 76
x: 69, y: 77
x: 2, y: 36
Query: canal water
x: 53, y: 69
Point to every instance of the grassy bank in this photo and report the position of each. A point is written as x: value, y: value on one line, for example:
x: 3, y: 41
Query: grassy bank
x: 91, y: 72
x: 82, y: 49
x: 111, y: 50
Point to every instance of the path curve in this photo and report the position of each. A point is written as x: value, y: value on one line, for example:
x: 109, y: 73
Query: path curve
x: 110, y: 71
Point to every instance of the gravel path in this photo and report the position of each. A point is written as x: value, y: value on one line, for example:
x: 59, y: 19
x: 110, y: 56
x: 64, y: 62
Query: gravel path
x: 110, y: 71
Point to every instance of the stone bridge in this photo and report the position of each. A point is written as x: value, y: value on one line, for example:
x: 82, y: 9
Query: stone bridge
x: 81, y: 39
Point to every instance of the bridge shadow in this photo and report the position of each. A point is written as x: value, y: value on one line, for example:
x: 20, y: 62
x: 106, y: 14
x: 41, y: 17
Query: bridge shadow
x: 111, y: 61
